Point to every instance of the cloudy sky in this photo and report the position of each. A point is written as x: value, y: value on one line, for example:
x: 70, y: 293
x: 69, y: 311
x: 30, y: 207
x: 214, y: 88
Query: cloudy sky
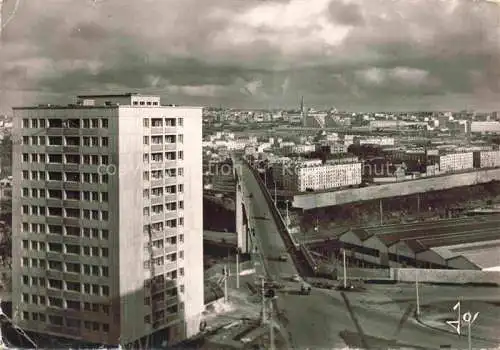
x: 351, y: 54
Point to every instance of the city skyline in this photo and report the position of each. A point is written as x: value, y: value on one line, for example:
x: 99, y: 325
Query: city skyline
x: 356, y: 55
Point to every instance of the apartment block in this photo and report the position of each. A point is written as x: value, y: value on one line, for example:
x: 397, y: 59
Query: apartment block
x: 453, y: 161
x: 302, y: 176
x: 487, y: 159
x: 108, y: 241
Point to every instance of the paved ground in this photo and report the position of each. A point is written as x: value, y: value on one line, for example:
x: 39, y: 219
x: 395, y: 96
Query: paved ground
x: 322, y: 320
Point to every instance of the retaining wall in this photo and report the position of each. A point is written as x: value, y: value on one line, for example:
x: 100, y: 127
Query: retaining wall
x: 326, y: 199
x: 445, y: 276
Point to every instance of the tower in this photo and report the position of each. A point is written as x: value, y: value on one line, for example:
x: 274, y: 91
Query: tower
x: 108, y: 233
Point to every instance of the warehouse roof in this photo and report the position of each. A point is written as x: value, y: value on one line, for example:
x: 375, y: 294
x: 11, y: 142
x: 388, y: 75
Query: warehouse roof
x: 423, y: 235
x: 482, y: 254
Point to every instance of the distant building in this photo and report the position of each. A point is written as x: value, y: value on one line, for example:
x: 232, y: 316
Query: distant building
x: 487, y: 159
x: 314, y: 175
x: 453, y: 161
x: 485, y: 127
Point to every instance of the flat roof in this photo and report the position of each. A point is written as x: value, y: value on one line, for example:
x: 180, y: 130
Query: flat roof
x: 112, y: 105
x: 126, y: 94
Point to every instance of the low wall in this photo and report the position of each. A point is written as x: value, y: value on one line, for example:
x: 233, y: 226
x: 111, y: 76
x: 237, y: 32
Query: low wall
x: 445, y: 276
x: 403, y: 188
x: 355, y: 273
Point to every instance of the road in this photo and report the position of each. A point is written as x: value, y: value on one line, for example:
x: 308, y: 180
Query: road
x: 269, y: 241
x: 317, y: 320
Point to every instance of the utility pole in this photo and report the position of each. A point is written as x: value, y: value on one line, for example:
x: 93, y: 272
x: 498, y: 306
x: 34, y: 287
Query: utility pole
x: 275, y: 196
x: 263, y: 291
x: 271, y: 325
x: 416, y: 290
x: 345, y: 269
x: 287, y: 217
x: 225, y: 284
x: 418, y: 203
x: 238, y: 268
x: 381, y: 213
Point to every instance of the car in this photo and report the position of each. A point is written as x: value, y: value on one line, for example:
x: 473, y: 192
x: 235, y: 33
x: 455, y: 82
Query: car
x: 296, y: 278
x: 283, y: 257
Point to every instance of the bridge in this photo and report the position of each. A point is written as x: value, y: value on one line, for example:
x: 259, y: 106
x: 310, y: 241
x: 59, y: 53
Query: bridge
x: 261, y: 228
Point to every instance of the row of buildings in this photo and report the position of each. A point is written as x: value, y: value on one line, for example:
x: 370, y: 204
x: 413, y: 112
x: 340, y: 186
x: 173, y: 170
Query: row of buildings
x: 107, y: 225
x: 467, y: 244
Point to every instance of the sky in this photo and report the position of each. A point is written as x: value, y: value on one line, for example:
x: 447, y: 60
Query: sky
x: 355, y: 55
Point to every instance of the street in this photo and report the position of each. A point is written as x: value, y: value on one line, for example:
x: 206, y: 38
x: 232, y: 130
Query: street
x: 318, y: 320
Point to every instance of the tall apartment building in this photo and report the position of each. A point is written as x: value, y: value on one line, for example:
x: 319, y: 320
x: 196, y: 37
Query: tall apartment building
x: 107, y: 242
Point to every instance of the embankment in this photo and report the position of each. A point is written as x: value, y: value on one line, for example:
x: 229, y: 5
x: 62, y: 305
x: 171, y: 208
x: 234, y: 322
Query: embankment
x: 327, y: 199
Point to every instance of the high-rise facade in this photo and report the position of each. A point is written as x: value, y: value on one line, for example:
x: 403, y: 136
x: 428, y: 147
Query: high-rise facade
x: 107, y: 225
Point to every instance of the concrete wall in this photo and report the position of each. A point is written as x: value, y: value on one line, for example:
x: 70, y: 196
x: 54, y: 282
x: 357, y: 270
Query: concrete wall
x: 314, y: 200
x: 127, y: 237
x: 193, y: 298
x: 445, y: 276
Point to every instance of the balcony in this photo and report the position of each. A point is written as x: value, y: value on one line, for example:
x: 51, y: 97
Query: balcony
x: 72, y: 203
x: 170, y: 197
x: 156, y: 147
x: 71, y: 149
x: 72, y: 239
x: 54, y: 166
x: 72, y: 167
x: 73, y: 258
x: 57, y: 256
x: 155, y: 235
x: 54, y: 149
x: 170, y: 146
x: 171, y: 130
x: 156, y: 200
x: 173, y: 300
x: 54, y: 274
x: 159, y: 305
x: 54, y: 202
x: 54, y: 131
x: 171, y: 231
x: 157, y: 252
x: 170, y: 163
x: 71, y: 131
x: 54, y: 292
x: 72, y: 277
x: 170, y: 214
x: 170, y: 248
x: 157, y: 131
x: 54, y: 220
x: 71, y: 221
x: 157, y: 217
x: 75, y: 186
x: 170, y: 266
x: 157, y: 165
x: 157, y: 182
x: 170, y: 180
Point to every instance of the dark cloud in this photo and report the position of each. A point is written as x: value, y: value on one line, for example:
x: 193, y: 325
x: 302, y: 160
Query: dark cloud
x: 346, y: 13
